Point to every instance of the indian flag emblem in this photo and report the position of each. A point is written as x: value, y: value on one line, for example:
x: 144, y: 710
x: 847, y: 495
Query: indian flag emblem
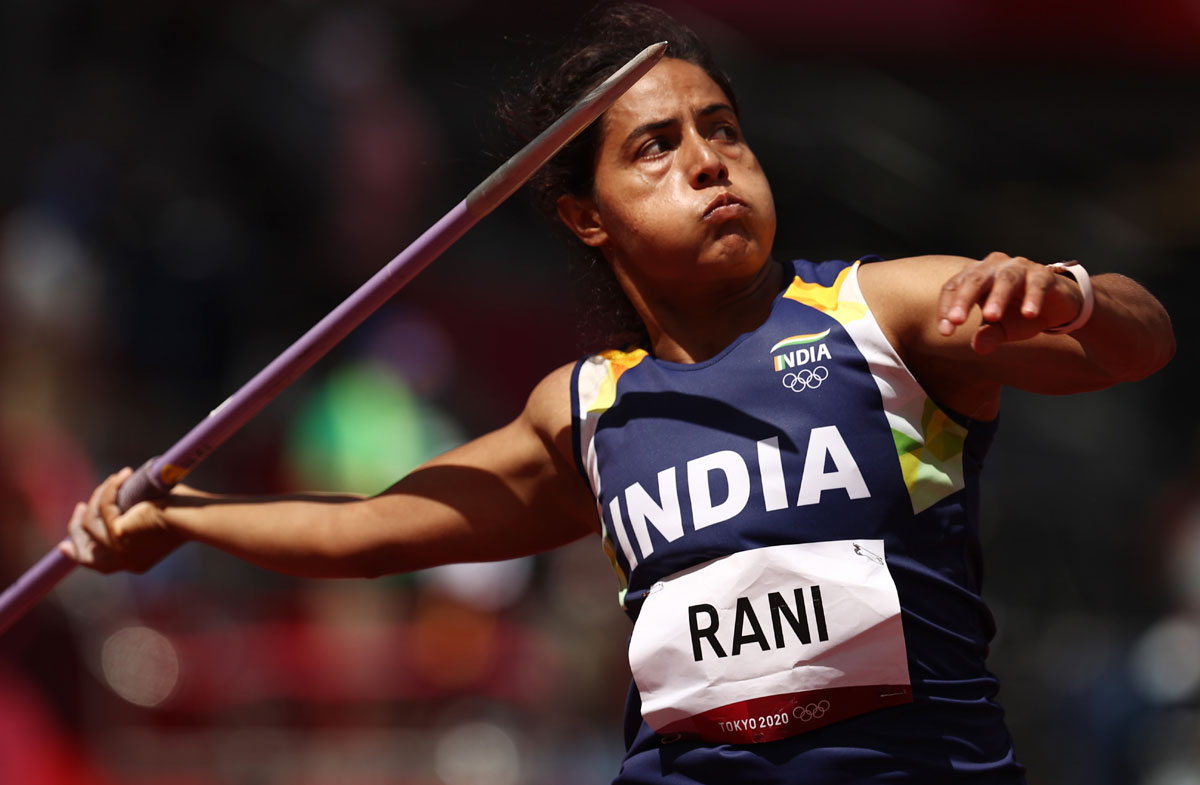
x: 797, y: 340
x: 804, y: 354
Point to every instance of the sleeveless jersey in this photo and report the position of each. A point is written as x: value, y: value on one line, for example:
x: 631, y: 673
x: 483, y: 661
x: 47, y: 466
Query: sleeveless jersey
x: 797, y: 521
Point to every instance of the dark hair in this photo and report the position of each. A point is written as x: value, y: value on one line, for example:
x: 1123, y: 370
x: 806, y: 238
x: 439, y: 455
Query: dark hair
x: 606, y: 38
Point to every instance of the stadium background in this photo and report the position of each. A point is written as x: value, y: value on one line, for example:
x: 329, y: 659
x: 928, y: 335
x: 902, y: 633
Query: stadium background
x: 186, y: 187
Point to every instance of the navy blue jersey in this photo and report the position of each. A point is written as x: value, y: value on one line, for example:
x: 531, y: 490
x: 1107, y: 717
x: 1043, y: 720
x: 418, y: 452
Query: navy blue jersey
x: 808, y: 430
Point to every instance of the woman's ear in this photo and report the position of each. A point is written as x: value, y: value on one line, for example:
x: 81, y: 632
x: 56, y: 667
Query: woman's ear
x: 581, y: 217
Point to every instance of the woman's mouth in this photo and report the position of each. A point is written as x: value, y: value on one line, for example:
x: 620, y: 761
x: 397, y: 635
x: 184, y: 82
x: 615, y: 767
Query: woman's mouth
x: 725, y: 207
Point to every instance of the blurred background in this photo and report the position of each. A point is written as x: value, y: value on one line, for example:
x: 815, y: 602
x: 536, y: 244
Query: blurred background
x: 186, y: 187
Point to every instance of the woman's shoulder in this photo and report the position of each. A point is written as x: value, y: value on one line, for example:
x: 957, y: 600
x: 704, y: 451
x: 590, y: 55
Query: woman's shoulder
x: 547, y: 413
x: 549, y: 403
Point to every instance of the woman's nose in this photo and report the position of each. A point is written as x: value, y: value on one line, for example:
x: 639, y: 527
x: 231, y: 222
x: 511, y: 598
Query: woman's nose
x: 707, y: 167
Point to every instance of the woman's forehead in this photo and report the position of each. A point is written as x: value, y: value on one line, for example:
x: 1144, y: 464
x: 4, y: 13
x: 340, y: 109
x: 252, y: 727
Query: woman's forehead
x: 671, y: 89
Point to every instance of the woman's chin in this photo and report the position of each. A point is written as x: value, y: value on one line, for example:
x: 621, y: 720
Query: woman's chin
x: 736, y: 251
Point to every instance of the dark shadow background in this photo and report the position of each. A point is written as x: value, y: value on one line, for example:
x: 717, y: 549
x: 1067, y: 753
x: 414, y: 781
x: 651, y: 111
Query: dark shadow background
x: 186, y: 187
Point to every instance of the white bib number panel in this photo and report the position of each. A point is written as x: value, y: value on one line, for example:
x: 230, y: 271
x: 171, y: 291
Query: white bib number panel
x: 771, y: 642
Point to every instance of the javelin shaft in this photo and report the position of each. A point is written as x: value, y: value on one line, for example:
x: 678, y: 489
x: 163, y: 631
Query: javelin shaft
x: 158, y: 475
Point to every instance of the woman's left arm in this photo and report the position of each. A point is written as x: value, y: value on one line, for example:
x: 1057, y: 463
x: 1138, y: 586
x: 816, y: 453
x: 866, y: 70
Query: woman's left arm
x: 969, y: 327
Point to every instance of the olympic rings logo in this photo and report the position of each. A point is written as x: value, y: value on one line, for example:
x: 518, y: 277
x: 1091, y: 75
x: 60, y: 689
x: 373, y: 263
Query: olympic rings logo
x: 805, y: 378
x: 813, y: 711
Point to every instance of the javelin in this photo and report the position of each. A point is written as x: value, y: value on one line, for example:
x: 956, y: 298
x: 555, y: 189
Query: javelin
x: 158, y: 475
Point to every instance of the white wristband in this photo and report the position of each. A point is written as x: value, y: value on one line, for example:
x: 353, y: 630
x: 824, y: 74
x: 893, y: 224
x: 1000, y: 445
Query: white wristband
x: 1076, y: 271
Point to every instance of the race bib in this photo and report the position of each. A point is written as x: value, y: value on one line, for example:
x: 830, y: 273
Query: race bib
x: 771, y: 642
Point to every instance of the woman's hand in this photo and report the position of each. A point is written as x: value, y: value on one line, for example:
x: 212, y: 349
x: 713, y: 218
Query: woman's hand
x: 968, y: 328
x: 103, y: 538
x: 1018, y: 299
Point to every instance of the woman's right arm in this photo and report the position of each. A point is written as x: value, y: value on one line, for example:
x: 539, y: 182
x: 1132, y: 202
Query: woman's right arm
x: 509, y: 493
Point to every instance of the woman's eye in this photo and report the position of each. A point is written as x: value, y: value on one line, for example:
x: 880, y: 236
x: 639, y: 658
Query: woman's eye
x: 726, y: 133
x: 652, y: 148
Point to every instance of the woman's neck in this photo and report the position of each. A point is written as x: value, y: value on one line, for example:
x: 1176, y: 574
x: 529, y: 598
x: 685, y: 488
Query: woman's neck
x: 693, y: 326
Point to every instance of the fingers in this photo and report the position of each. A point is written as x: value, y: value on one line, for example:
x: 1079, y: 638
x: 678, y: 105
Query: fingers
x: 1010, y: 293
x: 988, y: 337
x: 1037, y: 283
x: 1008, y: 285
x: 107, y: 506
x: 82, y: 546
x: 104, y: 538
x: 93, y: 522
x: 963, y: 291
x: 91, y: 531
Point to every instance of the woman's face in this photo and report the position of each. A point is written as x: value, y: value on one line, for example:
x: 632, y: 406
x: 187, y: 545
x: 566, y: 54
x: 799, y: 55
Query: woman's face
x: 679, y: 198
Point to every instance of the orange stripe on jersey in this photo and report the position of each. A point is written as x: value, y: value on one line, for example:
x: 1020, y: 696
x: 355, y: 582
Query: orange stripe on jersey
x: 827, y: 298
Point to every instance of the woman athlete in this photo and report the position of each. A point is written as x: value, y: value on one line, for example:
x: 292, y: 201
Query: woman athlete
x: 784, y: 472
